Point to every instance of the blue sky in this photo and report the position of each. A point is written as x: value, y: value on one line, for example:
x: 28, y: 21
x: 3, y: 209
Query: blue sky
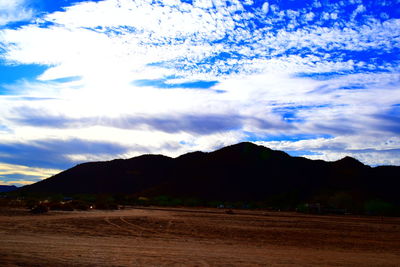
x: 96, y: 80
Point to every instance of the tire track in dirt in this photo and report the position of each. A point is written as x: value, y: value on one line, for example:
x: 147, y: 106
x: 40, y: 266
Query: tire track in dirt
x: 152, y: 232
x: 133, y: 233
x: 194, y: 229
x: 173, y: 260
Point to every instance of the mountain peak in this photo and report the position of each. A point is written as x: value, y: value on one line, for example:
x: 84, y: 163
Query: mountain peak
x: 349, y: 161
x: 246, y: 147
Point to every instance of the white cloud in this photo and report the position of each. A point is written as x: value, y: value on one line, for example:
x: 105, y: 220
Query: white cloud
x: 317, y: 4
x: 14, y: 169
x: 203, y: 3
x: 168, y: 34
x: 14, y: 10
x: 360, y: 9
x: 309, y: 16
x: 265, y: 7
x: 16, y: 182
x: 158, y: 21
x: 372, y: 150
x: 274, y: 8
x: 334, y: 16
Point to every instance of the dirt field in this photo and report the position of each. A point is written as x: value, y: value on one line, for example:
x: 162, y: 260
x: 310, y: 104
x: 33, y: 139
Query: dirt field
x: 196, y: 237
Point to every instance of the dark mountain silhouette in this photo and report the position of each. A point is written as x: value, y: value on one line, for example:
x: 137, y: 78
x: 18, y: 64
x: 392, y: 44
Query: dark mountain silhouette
x: 244, y: 171
x: 7, y: 188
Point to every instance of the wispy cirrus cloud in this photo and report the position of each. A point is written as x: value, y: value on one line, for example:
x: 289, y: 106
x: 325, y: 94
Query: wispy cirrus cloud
x: 14, y: 174
x: 54, y: 153
x: 198, y: 124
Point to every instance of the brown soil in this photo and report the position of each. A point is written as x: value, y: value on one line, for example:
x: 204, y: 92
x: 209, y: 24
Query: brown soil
x: 196, y: 237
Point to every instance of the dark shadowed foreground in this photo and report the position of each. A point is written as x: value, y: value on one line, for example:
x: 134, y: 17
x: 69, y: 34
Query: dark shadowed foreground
x: 196, y: 237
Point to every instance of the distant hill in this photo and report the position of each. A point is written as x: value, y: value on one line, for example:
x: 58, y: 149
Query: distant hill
x: 7, y: 188
x: 244, y: 171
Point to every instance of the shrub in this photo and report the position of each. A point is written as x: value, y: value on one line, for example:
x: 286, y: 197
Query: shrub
x: 79, y: 205
x: 105, y: 202
x: 302, y: 208
x: 379, y: 207
x: 31, y: 203
x: 60, y: 206
x: 39, y: 209
x: 192, y: 202
x: 143, y: 201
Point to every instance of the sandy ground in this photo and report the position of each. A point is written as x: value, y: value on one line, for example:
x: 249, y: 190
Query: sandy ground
x: 196, y: 237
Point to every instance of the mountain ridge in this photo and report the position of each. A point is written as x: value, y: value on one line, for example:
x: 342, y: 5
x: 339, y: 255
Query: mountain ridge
x: 7, y: 188
x: 244, y: 171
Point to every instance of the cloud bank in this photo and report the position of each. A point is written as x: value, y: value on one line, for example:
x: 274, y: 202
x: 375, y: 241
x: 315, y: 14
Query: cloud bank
x: 319, y: 79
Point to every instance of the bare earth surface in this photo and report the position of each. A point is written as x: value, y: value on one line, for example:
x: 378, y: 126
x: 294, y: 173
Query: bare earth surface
x: 196, y: 237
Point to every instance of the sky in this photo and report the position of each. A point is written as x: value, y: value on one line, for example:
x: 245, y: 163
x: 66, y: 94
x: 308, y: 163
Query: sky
x: 97, y: 80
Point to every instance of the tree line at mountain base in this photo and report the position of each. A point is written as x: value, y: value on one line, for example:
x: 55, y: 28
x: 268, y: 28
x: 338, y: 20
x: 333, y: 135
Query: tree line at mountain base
x: 337, y: 203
